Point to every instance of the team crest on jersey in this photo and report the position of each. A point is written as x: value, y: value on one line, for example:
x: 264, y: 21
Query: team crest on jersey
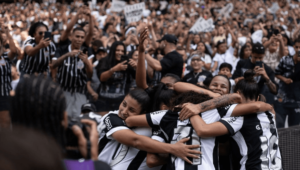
x: 107, y: 123
x: 156, y: 132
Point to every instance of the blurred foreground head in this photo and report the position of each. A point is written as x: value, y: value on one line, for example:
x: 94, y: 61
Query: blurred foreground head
x: 28, y: 150
x: 40, y: 104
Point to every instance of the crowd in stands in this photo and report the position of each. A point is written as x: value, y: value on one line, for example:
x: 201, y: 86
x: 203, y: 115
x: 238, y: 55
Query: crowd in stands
x: 81, y: 72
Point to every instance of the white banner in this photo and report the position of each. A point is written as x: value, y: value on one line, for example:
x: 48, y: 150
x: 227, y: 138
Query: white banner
x: 226, y: 10
x: 257, y: 36
x: 133, y: 13
x: 117, y: 6
x: 202, y: 25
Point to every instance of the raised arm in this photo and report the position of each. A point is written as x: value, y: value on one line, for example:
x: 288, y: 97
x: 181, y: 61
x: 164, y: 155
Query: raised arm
x: 140, y: 77
x: 189, y: 109
x: 89, y: 36
x: 70, y: 25
x: 182, y: 87
x: 12, y: 46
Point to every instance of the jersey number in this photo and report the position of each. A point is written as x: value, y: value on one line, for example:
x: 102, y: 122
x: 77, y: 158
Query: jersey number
x: 270, y: 148
x: 184, y: 132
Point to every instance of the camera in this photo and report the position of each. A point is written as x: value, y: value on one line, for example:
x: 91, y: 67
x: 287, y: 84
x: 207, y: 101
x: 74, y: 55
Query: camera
x: 70, y: 137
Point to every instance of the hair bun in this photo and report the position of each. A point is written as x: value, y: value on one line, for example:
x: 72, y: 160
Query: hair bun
x: 249, y: 75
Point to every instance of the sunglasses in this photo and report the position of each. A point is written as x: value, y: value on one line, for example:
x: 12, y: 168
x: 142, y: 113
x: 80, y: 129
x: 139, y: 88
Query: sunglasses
x: 41, y: 33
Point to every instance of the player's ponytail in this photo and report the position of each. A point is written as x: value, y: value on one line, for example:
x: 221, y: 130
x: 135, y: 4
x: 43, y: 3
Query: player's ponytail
x: 248, y: 86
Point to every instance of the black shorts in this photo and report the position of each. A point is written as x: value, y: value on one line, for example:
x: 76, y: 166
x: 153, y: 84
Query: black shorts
x: 4, y: 103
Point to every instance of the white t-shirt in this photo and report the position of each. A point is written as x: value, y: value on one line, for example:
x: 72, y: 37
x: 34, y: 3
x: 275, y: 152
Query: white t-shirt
x: 14, y: 84
x: 207, y: 59
x: 226, y: 57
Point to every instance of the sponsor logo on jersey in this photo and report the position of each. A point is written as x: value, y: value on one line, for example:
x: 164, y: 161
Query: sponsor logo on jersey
x: 156, y: 132
x: 107, y: 123
x: 158, y: 112
x: 232, y: 120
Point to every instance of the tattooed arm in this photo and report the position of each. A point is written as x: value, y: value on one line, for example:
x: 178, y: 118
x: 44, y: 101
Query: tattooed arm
x: 189, y: 109
x: 182, y: 87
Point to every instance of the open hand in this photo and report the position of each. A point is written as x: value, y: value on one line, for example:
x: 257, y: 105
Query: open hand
x: 183, y: 151
x: 142, y: 40
x: 188, y: 110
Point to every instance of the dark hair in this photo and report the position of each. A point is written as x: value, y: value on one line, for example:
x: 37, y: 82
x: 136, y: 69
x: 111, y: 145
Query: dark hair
x: 83, y: 24
x: 106, y: 26
x: 130, y: 54
x: 226, y: 65
x: 78, y: 29
x: 174, y: 76
x: 110, y: 60
x: 229, y: 88
x: 248, y: 86
x: 97, y: 43
x: 142, y: 97
x: 39, y: 103
x: 37, y: 150
x: 160, y: 94
x: 206, y: 51
x: 242, y: 53
x: 297, y: 40
x: 189, y: 97
x: 34, y: 27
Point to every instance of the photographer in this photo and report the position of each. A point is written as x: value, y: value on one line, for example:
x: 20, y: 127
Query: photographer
x: 264, y: 74
x: 38, y: 51
x: 114, y: 72
x: 49, y: 116
x: 74, y: 69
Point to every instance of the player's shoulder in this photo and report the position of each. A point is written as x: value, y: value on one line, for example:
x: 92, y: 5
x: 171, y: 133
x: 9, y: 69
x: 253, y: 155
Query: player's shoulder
x: 222, y: 111
x: 112, y: 120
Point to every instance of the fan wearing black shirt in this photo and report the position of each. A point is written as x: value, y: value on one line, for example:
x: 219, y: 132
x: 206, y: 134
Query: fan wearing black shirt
x: 172, y: 62
x: 265, y: 74
x: 197, y: 75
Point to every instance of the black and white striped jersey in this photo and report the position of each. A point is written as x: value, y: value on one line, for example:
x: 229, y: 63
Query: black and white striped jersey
x: 257, y: 138
x: 117, y: 155
x: 171, y: 130
x: 40, y: 62
x: 71, y: 73
x: 5, y: 75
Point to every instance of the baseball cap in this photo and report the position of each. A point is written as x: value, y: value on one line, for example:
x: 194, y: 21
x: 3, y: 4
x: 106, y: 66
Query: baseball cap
x: 258, y: 48
x: 169, y: 38
x: 220, y: 42
x: 88, y: 107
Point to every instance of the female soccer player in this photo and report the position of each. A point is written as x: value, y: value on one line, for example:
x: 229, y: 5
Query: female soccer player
x: 255, y: 134
x: 123, y: 148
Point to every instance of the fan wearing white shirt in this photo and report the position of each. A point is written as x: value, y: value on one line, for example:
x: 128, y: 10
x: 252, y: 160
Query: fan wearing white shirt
x: 223, y: 54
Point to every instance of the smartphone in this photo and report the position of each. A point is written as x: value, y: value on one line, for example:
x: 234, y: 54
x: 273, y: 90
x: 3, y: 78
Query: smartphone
x: 276, y: 32
x: 258, y: 63
x: 124, y: 58
x: 47, y: 35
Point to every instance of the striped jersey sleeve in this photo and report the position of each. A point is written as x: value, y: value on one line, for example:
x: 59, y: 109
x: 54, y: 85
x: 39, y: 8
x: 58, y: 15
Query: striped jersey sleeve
x: 233, y: 124
x: 113, y: 124
x: 154, y: 118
